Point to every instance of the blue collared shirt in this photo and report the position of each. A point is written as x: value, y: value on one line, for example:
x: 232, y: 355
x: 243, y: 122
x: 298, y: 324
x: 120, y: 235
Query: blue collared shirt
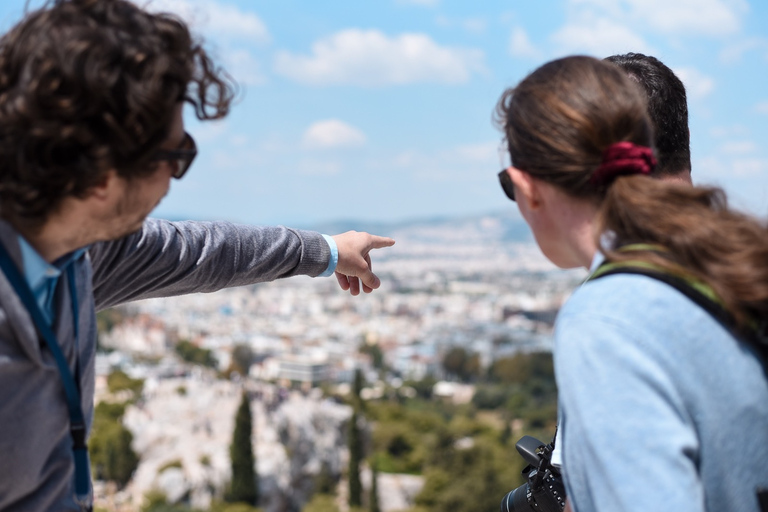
x: 334, y: 257
x: 42, y: 276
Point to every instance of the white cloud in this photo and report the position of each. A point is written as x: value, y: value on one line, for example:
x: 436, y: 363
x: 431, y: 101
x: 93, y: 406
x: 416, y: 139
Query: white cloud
x: 736, y: 130
x: 762, y: 107
x: 706, y: 17
x: 426, y: 3
x: 739, y: 147
x: 313, y: 167
x: 332, y: 133
x: 479, y: 153
x: 457, y: 163
x: 599, y: 37
x: 212, y: 16
x: 746, y: 167
x: 370, y: 58
x: 521, y: 46
x: 244, y: 67
x: 210, y: 131
x: 472, y: 25
x: 735, y: 52
x: 697, y: 84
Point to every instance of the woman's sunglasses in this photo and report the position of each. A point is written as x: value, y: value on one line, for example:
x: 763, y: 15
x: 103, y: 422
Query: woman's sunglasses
x: 506, y: 184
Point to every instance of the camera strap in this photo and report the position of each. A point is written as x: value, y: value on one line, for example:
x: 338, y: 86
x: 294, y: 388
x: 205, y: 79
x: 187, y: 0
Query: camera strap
x: 77, y: 427
x: 756, y: 334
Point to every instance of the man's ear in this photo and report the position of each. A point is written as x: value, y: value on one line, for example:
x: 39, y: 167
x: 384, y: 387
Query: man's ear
x: 526, y: 188
x: 105, y: 187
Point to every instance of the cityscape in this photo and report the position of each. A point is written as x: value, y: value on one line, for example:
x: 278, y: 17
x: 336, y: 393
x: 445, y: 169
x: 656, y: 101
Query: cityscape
x: 477, y: 283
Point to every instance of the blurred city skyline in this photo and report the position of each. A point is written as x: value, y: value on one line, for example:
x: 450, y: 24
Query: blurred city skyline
x: 383, y: 111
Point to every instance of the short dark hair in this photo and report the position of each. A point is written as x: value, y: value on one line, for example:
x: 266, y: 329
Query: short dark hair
x: 92, y: 85
x: 667, y: 107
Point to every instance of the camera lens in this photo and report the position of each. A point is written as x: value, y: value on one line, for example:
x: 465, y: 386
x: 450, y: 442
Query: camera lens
x: 516, y: 500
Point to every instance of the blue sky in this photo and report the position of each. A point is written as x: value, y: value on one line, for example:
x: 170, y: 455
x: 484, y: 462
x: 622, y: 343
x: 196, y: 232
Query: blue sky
x: 382, y: 110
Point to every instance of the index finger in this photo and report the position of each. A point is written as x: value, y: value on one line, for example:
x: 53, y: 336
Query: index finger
x: 378, y: 242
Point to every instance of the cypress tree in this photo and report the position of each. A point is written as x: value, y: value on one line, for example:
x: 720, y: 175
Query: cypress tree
x: 357, y: 388
x: 244, y: 487
x: 355, y: 456
x: 373, y: 498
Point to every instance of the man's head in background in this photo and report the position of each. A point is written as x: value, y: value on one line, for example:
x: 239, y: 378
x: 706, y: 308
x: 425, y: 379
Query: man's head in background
x: 668, y: 109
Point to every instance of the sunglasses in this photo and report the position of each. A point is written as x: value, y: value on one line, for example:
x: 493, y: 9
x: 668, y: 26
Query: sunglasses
x: 506, y: 184
x: 183, y: 156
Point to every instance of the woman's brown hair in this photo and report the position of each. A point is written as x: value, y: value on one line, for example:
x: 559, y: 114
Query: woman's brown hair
x: 558, y: 122
x: 92, y: 85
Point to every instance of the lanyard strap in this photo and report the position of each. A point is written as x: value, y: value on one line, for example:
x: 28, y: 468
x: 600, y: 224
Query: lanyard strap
x: 71, y: 386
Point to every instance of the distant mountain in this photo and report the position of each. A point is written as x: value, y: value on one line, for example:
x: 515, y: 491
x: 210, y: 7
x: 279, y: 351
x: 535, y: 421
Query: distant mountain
x: 494, y: 227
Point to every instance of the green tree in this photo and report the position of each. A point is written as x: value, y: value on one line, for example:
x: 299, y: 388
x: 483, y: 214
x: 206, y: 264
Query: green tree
x: 374, y: 351
x: 321, y: 503
x: 112, y: 457
x: 244, y: 486
x: 462, y: 364
x: 118, y: 380
x: 242, y: 359
x: 191, y: 353
x: 373, y: 497
x: 454, y: 360
x: 355, y: 457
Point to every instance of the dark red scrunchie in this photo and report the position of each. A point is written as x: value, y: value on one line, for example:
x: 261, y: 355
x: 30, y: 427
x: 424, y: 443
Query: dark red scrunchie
x: 623, y: 158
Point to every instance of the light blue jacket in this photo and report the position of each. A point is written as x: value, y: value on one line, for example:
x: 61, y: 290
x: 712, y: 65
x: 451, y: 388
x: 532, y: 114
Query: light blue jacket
x: 661, y: 409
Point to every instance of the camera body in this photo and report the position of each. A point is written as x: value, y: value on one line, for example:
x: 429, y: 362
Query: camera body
x: 544, y: 491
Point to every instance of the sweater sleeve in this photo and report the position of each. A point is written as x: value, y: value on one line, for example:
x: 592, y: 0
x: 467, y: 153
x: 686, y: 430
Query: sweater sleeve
x: 173, y: 258
x: 628, y: 442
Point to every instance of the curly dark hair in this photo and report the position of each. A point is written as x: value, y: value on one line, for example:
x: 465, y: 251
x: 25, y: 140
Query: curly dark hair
x: 92, y: 85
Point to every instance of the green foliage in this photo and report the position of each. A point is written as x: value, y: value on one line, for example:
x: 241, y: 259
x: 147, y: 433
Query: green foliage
x: 158, y: 502
x: 321, y: 503
x: 523, y: 368
x: 355, y: 457
x: 234, y: 507
x: 374, y: 351
x: 107, y: 319
x: 242, y: 359
x: 423, y: 437
x: 423, y: 387
x: 397, y: 446
x: 523, y: 386
x: 244, y: 486
x: 462, y: 365
x: 175, y: 463
x: 373, y: 496
x: 112, y: 457
x: 476, y: 479
x: 357, y: 387
x: 191, y: 353
x: 118, y: 380
x: 325, y: 481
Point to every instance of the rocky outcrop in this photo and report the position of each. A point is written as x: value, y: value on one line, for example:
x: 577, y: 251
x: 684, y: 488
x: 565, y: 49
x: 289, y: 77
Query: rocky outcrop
x: 182, y: 429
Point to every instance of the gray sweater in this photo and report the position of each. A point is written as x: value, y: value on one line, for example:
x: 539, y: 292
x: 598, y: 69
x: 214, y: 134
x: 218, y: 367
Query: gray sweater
x: 163, y: 259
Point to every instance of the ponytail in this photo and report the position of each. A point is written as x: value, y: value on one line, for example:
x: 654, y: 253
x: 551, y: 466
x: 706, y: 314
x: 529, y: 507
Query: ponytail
x: 703, y: 238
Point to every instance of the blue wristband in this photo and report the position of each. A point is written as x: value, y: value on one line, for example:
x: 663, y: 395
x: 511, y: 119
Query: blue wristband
x: 334, y: 257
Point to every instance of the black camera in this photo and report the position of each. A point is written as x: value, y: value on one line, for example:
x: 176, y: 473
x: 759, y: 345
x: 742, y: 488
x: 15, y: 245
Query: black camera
x: 544, y: 491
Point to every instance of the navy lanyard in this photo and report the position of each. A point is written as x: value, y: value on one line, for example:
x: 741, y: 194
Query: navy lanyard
x: 83, y: 494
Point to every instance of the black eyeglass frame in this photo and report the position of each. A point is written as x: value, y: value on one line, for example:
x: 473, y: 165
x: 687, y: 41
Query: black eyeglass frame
x: 184, y: 155
x: 507, y: 185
